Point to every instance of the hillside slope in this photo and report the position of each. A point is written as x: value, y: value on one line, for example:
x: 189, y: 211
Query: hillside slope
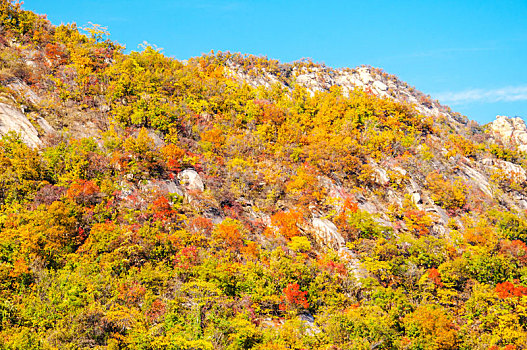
x: 236, y: 202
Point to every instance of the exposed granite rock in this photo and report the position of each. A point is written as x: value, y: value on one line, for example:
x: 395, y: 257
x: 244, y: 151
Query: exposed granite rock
x: 309, y: 323
x: 371, y: 80
x: 190, y: 180
x: 12, y: 119
x: 46, y: 127
x: 380, y: 86
x: 353, y: 263
x: 416, y: 198
x: 327, y: 233
x: 476, y: 177
x: 21, y: 88
x: 166, y: 186
x: 380, y: 176
x: 510, y: 131
x: 511, y: 169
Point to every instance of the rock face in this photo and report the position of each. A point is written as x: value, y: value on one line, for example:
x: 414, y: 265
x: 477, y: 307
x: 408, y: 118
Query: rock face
x: 380, y: 176
x: 511, y: 169
x: 510, y: 131
x: 11, y: 119
x: 371, y: 80
x: 190, y: 180
x: 48, y: 129
x: 478, y: 178
x: 22, y: 89
x: 166, y: 186
x: 327, y: 233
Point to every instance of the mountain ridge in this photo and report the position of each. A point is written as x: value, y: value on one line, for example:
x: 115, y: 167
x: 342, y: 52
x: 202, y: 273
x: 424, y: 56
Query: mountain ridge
x: 236, y: 202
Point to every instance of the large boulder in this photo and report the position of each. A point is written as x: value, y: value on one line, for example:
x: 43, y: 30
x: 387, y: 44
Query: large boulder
x: 190, y: 180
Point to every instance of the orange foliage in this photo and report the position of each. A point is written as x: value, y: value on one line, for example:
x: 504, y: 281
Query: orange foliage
x: 293, y: 298
x: 157, y: 309
x: 201, y: 224
x: 83, y: 192
x: 341, y: 220
x: 350, y: 205
x: 56, y: 54
x: 435, y: 277
x: 434, y: 327
x: 131, y: 292
x: 287, y: 223
x: 162, y: 209
x: 215, y: 137
x: 509, y: 290
x: 229, y: 234
x: 418, y: 221
x: 480, y: 234
x: 172, y: 155
x: 269, y: 112
x: 305, y: 186
x: 20, y: 268
x: 506, y: 347
x: 251, y: 250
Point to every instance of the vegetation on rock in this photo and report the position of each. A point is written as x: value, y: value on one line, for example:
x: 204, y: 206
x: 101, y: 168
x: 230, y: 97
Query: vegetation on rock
x: 105, y: 244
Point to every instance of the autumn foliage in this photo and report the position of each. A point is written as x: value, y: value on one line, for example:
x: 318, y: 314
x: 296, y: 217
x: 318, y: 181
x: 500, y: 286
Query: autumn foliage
x: 229, y: 235
x: 83, y: 192
x: 287, y: 223
x: 509, y: 290
x: 103, y: 245
x: 293, y: 298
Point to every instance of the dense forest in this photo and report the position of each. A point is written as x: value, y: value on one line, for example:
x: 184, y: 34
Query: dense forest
x: 183, y: 205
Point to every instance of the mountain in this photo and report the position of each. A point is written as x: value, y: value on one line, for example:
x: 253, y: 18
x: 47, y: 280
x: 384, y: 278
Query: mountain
x: 236, y: 202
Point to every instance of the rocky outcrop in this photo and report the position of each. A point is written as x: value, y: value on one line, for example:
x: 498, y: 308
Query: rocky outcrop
x: 354, y: 265
x: 511, y: 169
x: 476, y: 177
x: 371, y: 80
x: 167, y: 186
x: 12, y: 119
x: 21, y: 89
x: 510, y: 131
x: 190, y: 180
x: 46, y: 127
x: 380, y: 176
x: 327, y: 233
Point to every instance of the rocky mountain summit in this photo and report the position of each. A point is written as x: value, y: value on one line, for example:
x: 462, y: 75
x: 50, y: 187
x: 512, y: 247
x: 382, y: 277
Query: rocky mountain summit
x: 371, y: 79
x: 479, y: 172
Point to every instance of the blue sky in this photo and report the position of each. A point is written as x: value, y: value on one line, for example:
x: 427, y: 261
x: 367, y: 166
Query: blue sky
x: 471, y: 55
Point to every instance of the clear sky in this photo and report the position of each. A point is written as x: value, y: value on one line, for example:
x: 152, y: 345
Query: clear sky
x: 469, y: 54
